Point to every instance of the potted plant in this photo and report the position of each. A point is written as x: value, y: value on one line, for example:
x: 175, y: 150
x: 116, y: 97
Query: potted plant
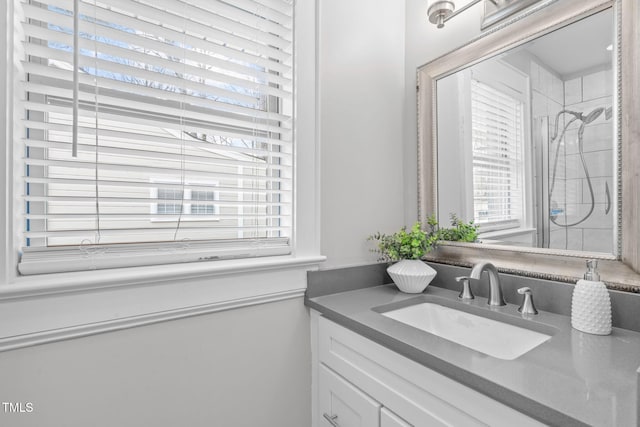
x: 405, y: 249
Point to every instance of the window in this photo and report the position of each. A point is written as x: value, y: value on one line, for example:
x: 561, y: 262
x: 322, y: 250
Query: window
x: 498, y: 168
x: 176, y: 204
x: 202, y: 208
x: 165, y: 208
x: 196, y: 92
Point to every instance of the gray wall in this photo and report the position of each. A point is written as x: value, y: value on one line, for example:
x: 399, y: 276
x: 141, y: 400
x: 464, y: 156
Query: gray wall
x: 246, y: 367
x: 361, y: 69
x: 424, y: 43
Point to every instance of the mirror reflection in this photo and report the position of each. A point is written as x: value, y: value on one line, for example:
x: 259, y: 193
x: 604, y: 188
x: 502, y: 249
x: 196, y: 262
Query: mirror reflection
x: 526, y: 142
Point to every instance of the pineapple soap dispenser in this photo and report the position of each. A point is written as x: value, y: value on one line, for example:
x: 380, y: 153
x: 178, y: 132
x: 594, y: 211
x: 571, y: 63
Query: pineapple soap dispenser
x: 590, y: 305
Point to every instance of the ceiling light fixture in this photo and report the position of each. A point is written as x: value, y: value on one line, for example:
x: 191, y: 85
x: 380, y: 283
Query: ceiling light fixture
x: 441, y: 11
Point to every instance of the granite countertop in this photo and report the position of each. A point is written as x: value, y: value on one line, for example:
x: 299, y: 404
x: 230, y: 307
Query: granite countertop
x: 572, y: 379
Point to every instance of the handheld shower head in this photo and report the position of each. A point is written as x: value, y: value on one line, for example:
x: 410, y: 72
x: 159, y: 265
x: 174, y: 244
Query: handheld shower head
x: 591, y: 116
x: 608, y: 113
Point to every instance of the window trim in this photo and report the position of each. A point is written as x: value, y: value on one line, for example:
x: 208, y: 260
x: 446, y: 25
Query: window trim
x: 305, y: 203
x: 36, y: 310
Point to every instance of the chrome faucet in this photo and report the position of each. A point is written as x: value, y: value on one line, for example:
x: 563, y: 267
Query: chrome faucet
x: 495, y: 290
x: 527, y: 306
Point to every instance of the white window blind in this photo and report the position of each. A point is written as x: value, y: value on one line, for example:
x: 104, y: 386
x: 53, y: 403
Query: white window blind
x: 196, y: 94
x: 497, y: 141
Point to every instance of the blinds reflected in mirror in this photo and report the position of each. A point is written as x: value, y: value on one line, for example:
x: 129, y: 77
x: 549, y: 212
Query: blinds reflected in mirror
x: 497, y: 145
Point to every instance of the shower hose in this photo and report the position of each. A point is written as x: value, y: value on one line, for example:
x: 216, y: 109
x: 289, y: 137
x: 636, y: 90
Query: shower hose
x: 585, y: 120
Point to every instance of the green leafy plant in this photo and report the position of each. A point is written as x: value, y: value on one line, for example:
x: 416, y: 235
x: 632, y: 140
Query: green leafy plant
x: 417, y: 242
x: 460, y: 231
x: 413, y: 244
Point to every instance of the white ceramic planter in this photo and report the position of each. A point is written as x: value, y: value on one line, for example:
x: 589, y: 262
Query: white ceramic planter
x: 411, y: 275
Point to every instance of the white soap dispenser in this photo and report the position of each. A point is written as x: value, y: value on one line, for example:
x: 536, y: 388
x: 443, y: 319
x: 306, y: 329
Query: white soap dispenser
x: 590, y: 305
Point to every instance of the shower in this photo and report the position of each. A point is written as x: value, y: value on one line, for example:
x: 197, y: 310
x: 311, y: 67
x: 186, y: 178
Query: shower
x: 585, y: 120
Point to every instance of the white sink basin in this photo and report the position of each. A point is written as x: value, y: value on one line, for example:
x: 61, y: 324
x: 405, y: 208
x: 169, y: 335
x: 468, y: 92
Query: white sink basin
x: 487, y: 336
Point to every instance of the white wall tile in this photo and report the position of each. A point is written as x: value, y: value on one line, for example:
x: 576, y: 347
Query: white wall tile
x: 572, y: 212
x: 599, y: 192
x: 573, y: 91
x: 574, y: 167
x: 598, y: 240
x: 599, y: 163
x: 575, y: 242
x: 597, y: 219
x: 558, y: 239
x: 596, y: 85
x: 598, y: 137
x: 556, y: 90
x: 573, y: 190
x: 571, y: 138
x: 554, y: 108
x: 558, y: 199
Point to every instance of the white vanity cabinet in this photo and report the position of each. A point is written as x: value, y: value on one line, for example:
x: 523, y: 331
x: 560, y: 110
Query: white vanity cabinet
x: 342, y: 404
x: 362, y: 383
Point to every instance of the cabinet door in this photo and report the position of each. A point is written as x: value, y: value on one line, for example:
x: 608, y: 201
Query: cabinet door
x: 389, y: 419
x: 343, y: 405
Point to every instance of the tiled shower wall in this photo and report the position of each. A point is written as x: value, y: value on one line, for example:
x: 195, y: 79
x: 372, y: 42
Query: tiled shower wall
x: 571, y: 199
x: 584, y: 94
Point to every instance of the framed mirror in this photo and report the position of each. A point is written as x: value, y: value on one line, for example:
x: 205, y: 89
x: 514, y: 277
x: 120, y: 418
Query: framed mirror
x: 524, y: 131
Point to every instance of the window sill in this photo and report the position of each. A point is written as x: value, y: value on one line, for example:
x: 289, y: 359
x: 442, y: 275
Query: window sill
x: 47, y: 284
x: 41, y: 309
x: 505, y: 233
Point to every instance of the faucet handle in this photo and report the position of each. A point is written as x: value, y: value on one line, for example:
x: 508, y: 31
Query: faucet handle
x: 527, y: 306
x: 465, y: 293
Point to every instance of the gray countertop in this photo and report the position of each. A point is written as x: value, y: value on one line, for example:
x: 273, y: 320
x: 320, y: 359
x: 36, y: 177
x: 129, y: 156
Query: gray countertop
x: 572, y: 379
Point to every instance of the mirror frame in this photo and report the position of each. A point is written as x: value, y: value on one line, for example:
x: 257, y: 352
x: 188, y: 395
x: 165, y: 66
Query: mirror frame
x: 503, y: 11
x: 619, y: 272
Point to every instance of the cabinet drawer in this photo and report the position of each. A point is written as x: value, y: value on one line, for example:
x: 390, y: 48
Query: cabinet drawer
x: 343, y: 403
x: 389, y: 419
